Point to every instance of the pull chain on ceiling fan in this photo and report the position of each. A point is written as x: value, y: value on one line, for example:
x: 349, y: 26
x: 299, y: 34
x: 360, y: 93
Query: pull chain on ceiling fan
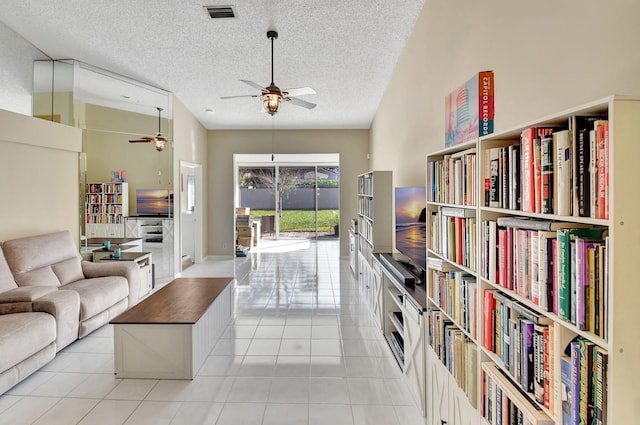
x: 271, y: 95
x: 158, y: 141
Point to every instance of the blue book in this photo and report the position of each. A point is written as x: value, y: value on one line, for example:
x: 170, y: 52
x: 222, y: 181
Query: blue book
x: 566, y: 389
x: 575, y: 382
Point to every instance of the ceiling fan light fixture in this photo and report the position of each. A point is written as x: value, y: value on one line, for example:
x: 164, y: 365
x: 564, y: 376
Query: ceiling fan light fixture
x: 159, y: 143
x: 271, y: 102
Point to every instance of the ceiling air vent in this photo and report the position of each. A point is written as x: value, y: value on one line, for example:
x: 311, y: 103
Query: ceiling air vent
x: 218, y: 12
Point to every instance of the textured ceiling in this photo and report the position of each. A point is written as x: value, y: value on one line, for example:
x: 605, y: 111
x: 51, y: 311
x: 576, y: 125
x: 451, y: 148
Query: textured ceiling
x: 345, y: 50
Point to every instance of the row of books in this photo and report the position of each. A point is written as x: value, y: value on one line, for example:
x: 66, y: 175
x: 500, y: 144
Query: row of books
x: 455, y: 350
x: 455, y: 292
x: 561, y: 267
x: 365, y: 229
x: 104, y: 188
x: 104, y: 199
x: 452, y: 180
x: 584, y: 383
x: 365, y: 185
x: 105, y: 209
x: 524, y: 342
x: 104, y: 219
x: 365, y: 206
x: 502, y: 403
x: 453, y: 235
x: 553, y: 170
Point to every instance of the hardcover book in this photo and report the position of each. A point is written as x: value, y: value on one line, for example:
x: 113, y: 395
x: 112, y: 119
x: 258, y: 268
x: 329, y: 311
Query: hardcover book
x: 469, y: 110
x: 531, y: 167
x: 579, y: 126
x: 566, y: 393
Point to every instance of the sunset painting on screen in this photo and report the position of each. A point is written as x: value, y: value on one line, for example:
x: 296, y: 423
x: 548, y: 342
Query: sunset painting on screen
x: 154, y: 202
x: 411, y: 229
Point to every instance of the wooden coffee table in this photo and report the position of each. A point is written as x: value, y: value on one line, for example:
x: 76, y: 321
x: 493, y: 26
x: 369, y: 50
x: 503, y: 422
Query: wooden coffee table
x: 169, y: 334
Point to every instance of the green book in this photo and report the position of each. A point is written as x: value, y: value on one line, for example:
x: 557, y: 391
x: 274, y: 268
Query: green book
x: 565, y: 236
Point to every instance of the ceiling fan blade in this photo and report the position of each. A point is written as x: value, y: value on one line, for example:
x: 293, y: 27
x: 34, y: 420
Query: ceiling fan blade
x: 143, y: 140
x: 300, y: 102
x: 254, y: 85
x: 300, y: 91
x: 243, y: 95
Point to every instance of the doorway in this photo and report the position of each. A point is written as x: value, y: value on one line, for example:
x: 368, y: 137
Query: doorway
x: 293, y: 196
x: 190, y: 213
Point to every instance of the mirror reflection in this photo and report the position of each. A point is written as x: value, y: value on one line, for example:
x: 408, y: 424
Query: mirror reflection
x: 126, y: 188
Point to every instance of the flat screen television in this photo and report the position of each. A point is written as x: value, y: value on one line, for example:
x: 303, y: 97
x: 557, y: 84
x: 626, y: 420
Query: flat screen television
x: 411, y: 225
x: 154, y: 202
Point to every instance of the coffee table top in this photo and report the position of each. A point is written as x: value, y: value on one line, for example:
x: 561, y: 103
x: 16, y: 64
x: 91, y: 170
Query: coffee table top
x: 113, y: 241
x: 124, y: 256
x: 182, y: 301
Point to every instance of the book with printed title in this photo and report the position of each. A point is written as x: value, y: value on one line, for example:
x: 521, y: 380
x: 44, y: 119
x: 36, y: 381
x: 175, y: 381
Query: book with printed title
x: 469, y: 110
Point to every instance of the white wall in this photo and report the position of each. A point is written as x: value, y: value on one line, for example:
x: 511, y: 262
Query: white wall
x: 39, y: 184
x: 352, y: 145
x: 547, y: 56
x: 190, y: 144
x: 16, y: 71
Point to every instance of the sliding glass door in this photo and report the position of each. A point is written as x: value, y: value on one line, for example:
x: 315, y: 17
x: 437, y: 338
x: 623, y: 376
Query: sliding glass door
x: 294, y: 201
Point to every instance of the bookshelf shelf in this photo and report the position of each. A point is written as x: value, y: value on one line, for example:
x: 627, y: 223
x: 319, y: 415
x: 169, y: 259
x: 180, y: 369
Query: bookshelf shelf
x: 547, y: 292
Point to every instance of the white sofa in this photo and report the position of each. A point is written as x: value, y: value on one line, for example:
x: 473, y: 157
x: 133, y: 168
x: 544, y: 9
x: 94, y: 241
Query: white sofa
x: 49, y: 297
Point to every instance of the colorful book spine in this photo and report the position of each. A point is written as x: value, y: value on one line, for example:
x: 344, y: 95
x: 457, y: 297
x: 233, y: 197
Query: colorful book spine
x: 547, y: 159
x: 564, y: 238
x: 566, y: 389
x: 563, y: 175
x: 575, y: 382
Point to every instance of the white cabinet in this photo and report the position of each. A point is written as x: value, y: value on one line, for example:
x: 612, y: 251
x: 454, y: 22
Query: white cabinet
x: 414, y: 351
x: 404, y: 330
x: 446, y: 403
x: 155, y: 232
x: 375, y: 293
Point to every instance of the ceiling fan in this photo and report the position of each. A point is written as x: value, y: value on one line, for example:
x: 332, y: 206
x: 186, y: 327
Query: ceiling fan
x: 272, y: 96
x: 158, y: 141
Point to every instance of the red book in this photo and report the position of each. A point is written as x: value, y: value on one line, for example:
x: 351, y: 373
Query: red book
x: 489, y: 315
x: 531, y: 168
x: 527, y: 169
x: 602, y: 132
x: 502, y: 257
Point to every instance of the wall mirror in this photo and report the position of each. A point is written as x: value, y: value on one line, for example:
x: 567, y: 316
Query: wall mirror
x: 111, y: 110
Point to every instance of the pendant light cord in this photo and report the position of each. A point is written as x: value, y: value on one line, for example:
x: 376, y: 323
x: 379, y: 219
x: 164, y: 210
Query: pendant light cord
x: 272, y: 61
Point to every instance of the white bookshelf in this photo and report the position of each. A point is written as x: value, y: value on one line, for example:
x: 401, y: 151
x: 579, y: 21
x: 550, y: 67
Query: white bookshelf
x: 451, y: 343
x: 448, y: 399
x: 106, y: 208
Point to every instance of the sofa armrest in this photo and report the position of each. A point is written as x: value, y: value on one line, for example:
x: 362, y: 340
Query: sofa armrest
x: 127, y: 269
x: 64, y: 305
x: 20, y: 300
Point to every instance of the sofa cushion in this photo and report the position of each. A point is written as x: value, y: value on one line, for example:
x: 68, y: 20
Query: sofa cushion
x: 31, y: 259
x: 24, y: 334
x: 7, y: 281
x: 69, y: 270
x: 99, y: 294
x: 43, y: 276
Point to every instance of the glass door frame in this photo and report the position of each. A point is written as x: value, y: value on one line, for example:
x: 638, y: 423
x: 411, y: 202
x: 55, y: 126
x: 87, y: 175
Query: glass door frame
x: 277, y: 161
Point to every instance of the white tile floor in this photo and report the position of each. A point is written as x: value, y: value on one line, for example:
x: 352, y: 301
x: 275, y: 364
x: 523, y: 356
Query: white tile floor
x: 301, y: 350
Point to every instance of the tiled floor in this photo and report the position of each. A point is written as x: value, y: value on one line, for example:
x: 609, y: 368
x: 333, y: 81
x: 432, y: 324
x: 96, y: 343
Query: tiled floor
x: 301, y: 350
